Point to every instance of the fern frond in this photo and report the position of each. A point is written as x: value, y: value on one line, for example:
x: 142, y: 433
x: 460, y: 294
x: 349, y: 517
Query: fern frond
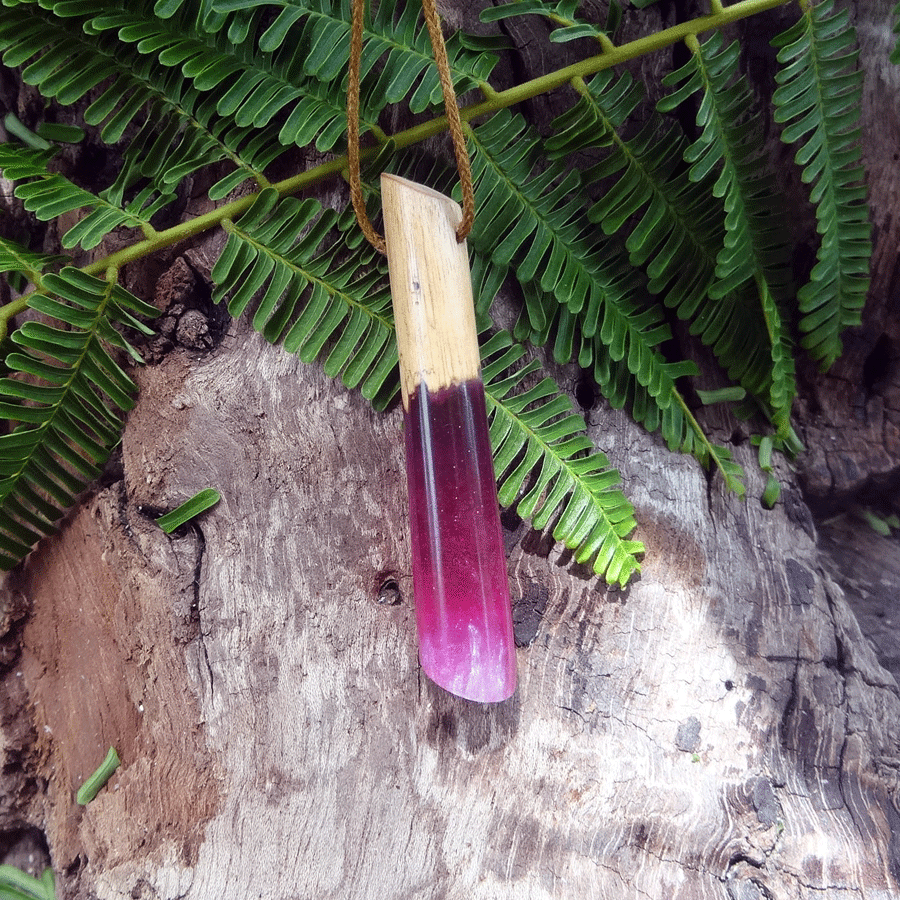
x: 397, y: 62
x: 67, y: 393
x: 675, y: 220
x: 246, y: 88
x: 676, y: 423
x: 49, y: 195
x: 819, y: 99
x: 549, y: 469
x: 181, y: 130
x: 534, y: 226
x: 754, y: 249
x: 675, y: 225
x: 732, y: 143
x: 580, y: 284
x: 283, y: 261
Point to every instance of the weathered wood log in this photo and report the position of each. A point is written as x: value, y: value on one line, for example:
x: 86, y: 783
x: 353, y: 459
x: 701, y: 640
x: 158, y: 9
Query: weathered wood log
x: 719, y: 729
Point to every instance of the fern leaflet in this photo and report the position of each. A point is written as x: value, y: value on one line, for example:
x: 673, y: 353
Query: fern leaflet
x: 67, y: 394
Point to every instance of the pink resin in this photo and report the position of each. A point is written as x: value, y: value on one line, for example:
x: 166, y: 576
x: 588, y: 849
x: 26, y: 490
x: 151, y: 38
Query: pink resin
x: 461, y: 589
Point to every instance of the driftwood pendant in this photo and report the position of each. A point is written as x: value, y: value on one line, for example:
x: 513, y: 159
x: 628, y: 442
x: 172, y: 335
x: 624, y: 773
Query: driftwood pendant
x: 460, y: 585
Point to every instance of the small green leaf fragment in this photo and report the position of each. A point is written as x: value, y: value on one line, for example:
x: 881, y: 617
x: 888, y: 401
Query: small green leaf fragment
x: 199, y: 503
x: 733, y: 394
x: 766, y: 445
x: 875, y: 522
x: 95, y: 782
x: 18, y: 885
x: 772, y: 492
x: 48, y: 880
x: 62, y: 134
x: 25, y: 135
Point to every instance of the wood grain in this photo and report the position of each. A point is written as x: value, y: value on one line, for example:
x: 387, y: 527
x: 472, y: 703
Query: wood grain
x: 431, y: 287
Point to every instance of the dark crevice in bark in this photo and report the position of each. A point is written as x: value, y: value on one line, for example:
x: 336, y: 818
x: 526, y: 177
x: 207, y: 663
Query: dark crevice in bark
x: 790, y: 707
x: 196, y: 618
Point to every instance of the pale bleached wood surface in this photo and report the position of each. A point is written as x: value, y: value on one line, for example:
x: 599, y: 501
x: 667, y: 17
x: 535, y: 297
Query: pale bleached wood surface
x: 720, y: 729
x: 431, y: 287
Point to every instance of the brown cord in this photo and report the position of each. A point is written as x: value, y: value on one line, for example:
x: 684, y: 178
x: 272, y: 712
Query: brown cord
x: 454, y: 122
x: 356, y: 191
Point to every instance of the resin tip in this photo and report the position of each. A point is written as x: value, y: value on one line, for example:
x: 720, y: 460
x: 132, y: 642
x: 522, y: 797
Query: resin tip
x: 469, y: 681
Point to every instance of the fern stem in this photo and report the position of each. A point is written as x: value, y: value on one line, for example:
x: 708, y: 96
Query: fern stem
x: 607, y: 45
x: 713, y: 457
x: 13, y: 308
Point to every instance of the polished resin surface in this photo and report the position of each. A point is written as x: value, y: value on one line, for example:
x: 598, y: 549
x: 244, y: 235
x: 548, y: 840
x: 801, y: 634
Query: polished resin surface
x: 460, y: 583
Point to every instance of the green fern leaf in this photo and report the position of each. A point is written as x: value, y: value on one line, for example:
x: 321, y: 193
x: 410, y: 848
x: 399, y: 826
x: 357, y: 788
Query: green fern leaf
x: 246, y: 88
x: 754, y: 241
x: 49, y: 196
x: 182, y: 132
x: 675, y: 225
x: 219, y: 113
x: 560, y: 14
x: 533, y: 225
x: 397, y: 62
x: 572, y: 278
x: 16, y: 258
x: 67, y: 393
x: 754, y: 249
x: 550, y: 471
x: 578, y: 283
x: 819, y: 99
x: 306, y: 290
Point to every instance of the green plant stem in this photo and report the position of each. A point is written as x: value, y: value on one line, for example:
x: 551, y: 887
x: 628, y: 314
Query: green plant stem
x: 495, y: 101
x: 701, y: 434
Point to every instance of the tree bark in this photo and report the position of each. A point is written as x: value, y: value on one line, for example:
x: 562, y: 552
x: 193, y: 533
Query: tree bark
x: 723, y: 728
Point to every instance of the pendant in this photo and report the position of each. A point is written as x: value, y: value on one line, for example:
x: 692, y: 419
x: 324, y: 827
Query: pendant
x: 460, y: 585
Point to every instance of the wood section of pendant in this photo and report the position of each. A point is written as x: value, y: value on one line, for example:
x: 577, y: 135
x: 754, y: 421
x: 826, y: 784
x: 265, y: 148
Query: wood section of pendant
x: 460, y: 585
x: 431, y: 287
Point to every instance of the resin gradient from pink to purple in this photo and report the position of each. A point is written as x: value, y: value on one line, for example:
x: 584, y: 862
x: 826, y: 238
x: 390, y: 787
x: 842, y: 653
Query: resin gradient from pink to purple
x: 463, y: 613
